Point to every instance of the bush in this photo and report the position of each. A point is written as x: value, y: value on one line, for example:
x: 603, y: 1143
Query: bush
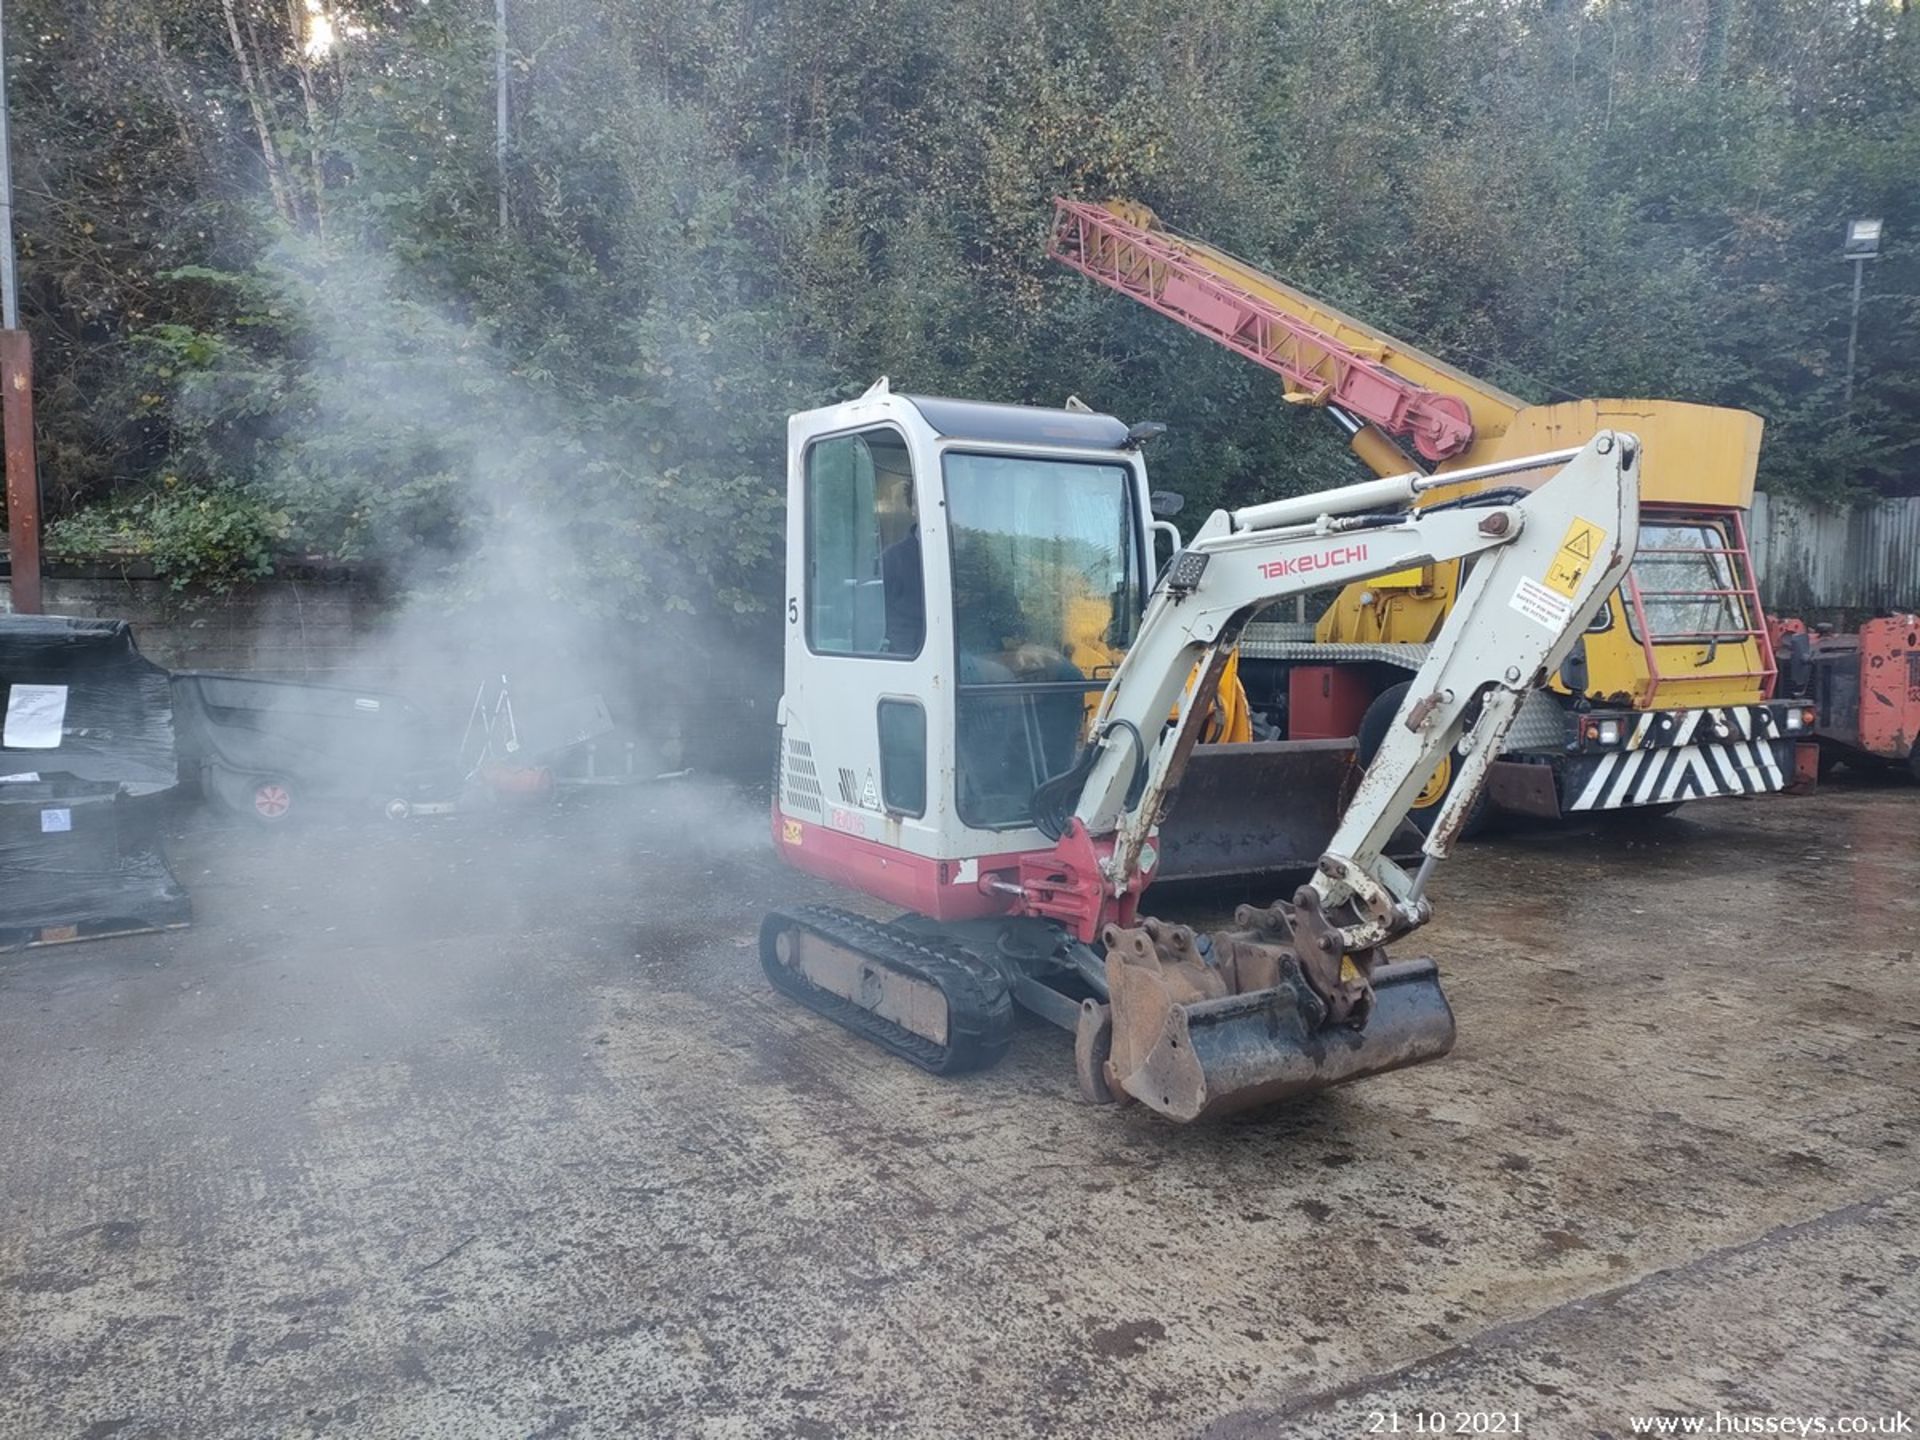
x: 214, y: 539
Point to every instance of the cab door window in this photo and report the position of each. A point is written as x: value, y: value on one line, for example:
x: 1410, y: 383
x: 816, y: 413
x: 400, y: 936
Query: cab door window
x: 865, y: 590
x: 1046, y: 600
x: 903, y: 757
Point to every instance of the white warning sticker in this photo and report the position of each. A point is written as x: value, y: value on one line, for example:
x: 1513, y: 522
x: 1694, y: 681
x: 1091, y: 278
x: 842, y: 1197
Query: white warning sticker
x: 54, y: 822
x: 1539, y: 604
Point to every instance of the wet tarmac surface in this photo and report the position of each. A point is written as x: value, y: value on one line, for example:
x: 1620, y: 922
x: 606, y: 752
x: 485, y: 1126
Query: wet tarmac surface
x: 489, y: 1126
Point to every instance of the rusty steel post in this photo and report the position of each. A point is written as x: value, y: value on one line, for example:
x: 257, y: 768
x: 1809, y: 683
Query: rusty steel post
x: 23, y: 485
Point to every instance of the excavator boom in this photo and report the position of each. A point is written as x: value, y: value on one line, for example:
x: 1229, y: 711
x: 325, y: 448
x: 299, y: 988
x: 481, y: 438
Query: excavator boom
x: 1182, y: 1036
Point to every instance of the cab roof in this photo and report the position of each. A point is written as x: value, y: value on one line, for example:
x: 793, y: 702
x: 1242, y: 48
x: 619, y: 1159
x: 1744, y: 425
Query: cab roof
x: 1019, y: 424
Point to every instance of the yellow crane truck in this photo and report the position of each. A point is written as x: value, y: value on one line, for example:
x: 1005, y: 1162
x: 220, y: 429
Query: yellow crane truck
x: 1668, y: 697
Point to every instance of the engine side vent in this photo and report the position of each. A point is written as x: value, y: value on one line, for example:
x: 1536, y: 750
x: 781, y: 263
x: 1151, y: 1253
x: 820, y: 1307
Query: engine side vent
x: 799, y: 781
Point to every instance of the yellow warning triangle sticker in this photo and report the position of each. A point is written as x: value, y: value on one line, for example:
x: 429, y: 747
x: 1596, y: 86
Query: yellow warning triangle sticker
x: 1575, y: 556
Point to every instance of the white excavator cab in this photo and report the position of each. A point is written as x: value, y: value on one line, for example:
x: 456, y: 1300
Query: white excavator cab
x: 961, y: 583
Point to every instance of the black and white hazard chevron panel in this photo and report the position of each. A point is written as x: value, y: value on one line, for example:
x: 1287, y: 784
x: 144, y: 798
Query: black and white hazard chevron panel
x: 1667, y: 755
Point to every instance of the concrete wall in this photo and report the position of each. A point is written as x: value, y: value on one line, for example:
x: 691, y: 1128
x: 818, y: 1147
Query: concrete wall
x: 313, y: 627
x: 711, y: 708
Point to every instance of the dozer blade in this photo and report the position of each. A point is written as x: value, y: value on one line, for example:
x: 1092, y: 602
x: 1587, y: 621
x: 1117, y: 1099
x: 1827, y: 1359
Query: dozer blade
x: 1243, y: 1020
x: 1259, y: 809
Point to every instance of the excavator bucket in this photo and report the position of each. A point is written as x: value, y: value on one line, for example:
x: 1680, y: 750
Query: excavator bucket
x: 1259, y: 809
x: 1198, y: 1026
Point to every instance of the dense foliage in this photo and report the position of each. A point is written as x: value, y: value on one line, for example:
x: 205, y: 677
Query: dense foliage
x: 277, y: 310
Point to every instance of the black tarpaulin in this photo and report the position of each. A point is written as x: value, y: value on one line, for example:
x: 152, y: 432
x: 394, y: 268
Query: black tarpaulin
x: 86, y: 747
x: 85, y: 685
x: 79, y: 859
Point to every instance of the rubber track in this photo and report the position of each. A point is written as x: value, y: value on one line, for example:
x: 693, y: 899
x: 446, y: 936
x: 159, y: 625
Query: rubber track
x: 979, y: 1011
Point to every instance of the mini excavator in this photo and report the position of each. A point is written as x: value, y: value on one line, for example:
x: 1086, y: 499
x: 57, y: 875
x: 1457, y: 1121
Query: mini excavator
x: 992, y: 689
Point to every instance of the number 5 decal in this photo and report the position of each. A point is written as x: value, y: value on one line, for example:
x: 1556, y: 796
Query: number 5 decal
x: 793, y: 609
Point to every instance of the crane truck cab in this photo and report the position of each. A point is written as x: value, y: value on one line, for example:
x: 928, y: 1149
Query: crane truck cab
x: 1670, y: 696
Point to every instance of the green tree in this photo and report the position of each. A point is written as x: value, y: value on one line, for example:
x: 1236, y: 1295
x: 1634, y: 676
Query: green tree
x: 269, y: 272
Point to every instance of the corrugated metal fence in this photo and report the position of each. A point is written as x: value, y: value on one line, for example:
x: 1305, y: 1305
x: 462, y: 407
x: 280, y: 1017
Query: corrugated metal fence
x: 1854, y: 557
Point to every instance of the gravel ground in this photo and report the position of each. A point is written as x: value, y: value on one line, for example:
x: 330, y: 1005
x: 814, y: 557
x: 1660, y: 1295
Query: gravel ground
x: 489, y: 1126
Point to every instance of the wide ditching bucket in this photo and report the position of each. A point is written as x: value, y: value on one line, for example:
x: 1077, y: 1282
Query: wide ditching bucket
x: 1263, y: 808
x: 1205, y: 1025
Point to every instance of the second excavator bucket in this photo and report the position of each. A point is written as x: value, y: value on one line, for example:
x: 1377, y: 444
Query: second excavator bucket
x: 1198, y: 1026
x: 1259, y: 809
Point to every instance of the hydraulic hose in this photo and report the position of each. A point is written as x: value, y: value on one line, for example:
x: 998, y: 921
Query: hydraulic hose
x: 1053, y: 802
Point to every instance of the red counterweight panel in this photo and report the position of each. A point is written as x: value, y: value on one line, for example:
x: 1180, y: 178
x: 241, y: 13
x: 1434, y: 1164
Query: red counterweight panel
x: 1325, y: 702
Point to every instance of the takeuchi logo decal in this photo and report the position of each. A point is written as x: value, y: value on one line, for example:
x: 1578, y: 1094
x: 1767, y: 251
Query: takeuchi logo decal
x: 1305, y: 564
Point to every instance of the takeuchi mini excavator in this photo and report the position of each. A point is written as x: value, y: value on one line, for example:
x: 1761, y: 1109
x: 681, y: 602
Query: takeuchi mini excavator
x: 944, y: 751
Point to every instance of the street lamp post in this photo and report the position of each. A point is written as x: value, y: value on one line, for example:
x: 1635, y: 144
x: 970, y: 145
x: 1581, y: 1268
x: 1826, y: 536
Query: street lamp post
x: 1863, y: 244
x: 500, y: 106
x: 9, y: 285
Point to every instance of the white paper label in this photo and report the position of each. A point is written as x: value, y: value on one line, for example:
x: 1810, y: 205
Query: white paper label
x: 35, y: 714
x: 25, y: 777
x: 1541, y: 605
x: 54, y: 821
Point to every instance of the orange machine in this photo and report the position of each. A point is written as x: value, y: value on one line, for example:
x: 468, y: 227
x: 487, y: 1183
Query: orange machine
x: 1865, y: 688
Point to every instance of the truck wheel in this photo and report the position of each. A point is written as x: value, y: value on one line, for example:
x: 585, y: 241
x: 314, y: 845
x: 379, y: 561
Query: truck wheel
x: 1426, y: 805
